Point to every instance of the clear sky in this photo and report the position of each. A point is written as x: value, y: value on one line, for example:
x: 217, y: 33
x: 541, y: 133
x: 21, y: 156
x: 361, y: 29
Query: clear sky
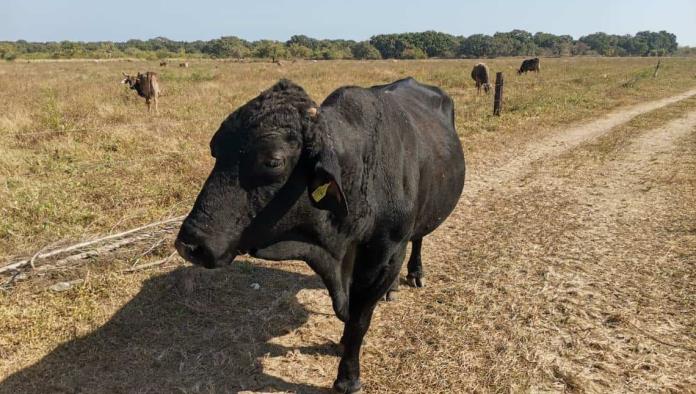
x: 94, y: 20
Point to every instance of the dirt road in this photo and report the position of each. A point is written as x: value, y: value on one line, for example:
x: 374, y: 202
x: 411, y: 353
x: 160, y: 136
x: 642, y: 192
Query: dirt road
x: 569, y: 265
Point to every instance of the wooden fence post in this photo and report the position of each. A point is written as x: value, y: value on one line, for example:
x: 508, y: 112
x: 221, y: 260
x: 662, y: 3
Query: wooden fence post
x: 657, y: 68
x: 498, y: 101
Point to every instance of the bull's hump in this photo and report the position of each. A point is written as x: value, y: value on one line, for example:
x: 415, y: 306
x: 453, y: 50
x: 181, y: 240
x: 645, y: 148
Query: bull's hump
x: 426, y: 97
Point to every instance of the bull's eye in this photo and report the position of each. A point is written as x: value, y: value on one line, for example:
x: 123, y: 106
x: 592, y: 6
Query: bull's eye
x: 274, y: 163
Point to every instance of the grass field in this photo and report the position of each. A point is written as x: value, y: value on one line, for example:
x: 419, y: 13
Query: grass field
x: 529, y: 289
x: 120, y: 168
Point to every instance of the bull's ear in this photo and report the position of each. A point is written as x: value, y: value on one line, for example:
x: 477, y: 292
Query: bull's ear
x: 325, y: 189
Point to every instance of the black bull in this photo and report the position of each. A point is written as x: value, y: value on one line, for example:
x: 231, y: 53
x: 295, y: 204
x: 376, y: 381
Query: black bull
x: 343, y: 187
x: 529, y: 65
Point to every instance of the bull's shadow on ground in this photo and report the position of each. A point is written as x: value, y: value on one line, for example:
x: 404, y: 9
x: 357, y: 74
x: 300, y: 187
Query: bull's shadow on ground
x: 187, y: 331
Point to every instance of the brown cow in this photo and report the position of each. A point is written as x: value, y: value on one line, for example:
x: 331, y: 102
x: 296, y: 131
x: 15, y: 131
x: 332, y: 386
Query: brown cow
x: 184, y: 64
x: 481, y: 75
x: 163, y: 64
x: 147, y: 86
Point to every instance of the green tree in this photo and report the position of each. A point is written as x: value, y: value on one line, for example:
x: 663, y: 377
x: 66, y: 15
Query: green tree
x: 502, y: 44
x: 413, y: 53
x: 580, y: 48
x: 269, y: 49
x: 435, y: 44
x: 390, y: 46
x: 404, y: 45
x: 304, y: 41
x: 365, y: 50
x: 332, y: 51
x: 476, y: 46
x: 659, y: 43
x: 228, y: 47
x: 299, y: 51
x: 602, y: 43
x: 7, y: 48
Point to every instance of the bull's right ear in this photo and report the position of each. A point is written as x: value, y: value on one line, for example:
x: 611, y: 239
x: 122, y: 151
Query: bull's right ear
x: 324, y: 187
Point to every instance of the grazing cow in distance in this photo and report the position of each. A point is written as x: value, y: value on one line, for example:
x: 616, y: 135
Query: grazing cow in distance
x: 481, y: 75
x: 163, y: 64
x: 529, y: 65
x: 147, y: 86
x: 184, y: 64
x: 344, y: 187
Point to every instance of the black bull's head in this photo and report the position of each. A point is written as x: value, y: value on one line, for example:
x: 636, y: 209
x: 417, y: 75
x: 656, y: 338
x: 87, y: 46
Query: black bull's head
x: 274, y: 190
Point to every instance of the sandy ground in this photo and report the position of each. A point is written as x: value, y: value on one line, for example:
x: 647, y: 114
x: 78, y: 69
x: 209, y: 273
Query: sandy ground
x: 567, y: 266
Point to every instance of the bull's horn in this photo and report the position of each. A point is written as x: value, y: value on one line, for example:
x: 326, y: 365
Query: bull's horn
x: 312, y: 112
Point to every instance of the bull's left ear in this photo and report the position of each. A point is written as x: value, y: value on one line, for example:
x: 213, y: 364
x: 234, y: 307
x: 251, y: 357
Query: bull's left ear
x: 325, y: 189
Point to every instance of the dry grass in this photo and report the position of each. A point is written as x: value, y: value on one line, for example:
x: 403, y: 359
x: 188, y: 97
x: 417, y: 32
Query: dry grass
x: 122, y: 168
x: 560, y: 279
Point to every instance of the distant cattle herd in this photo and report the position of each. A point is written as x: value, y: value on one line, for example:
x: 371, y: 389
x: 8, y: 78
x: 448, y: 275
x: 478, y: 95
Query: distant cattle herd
x: 147, y: 83
x: 482, y: 76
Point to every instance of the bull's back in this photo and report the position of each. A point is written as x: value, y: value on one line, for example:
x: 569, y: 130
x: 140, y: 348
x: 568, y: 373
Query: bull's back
x: 480, y: 73
x: 150, y: 85
x: 440, y: 159
x: 154, y: 84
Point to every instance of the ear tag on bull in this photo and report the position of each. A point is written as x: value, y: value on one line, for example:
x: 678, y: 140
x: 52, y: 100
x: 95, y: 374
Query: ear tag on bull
x: 320, y: 192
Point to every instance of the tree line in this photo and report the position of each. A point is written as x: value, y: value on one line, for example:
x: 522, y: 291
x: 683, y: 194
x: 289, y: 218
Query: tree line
x: 429, y: 44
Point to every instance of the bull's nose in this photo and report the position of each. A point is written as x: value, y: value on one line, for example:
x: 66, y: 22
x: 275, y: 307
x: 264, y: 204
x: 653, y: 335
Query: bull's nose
x: 185, y: 250
x: 196, y: 254
x: 190, y: 246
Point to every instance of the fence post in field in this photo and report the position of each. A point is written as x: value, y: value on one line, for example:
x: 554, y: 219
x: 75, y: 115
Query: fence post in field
x: 498, y: 101
x: 657, y: 68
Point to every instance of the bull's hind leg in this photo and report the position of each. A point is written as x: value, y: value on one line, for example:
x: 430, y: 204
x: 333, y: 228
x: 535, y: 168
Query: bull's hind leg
x: 415, y: 265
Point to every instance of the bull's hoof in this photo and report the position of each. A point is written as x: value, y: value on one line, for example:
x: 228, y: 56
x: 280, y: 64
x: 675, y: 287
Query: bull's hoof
x: 347, y: 386
x: 415, y: 281
x: 390, y: 296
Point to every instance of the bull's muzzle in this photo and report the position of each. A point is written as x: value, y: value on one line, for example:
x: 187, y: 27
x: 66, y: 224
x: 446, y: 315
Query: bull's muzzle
x: 194, y: 246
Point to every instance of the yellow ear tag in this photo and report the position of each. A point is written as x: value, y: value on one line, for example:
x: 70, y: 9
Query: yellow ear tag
x: 320, y: 192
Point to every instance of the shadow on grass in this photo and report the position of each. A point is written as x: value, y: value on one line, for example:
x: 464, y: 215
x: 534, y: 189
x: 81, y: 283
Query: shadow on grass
x: 187, y: 331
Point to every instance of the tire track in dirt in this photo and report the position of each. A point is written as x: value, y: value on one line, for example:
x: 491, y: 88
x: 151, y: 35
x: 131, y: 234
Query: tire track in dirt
x: 559, y: 141
x: 623, y: 273
x: 480, y: 182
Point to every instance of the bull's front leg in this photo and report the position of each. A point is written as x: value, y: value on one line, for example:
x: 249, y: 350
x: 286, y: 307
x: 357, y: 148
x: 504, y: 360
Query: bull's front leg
x: 369, y: 286
x: 348, y: 380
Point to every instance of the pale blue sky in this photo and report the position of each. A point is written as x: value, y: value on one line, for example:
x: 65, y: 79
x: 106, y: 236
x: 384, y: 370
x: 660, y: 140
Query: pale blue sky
x: 93, y: 20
